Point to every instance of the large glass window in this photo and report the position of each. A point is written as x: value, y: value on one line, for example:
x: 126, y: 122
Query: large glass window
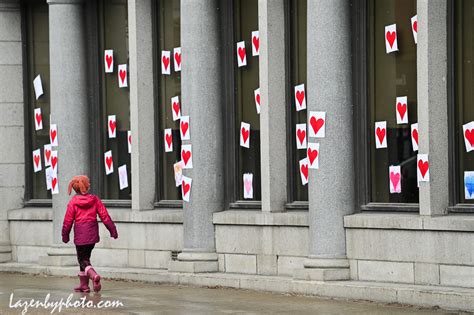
x: 169, y: 86
x: 113, y: 34
x: 37, y: 63
x: 298, y: 66
x: 391, y: 75
x: 245, y: 18
x: 464, y: 95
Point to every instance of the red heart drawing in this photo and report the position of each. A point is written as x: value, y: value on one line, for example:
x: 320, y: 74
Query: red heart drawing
x: 423, y: 167
x: 38, y: 118
x: 248, y: 185
x: 47, y: 153
x: 112, y: 125
x: 380, y: 134
x: 176, y: 108
x: 53, y: 135
x: 241, y: 53
x: 391, y: 36
x: 108, y: 59
x: 130, y: 139
x: 469, y: 134
x: 185, y: 155
x: 395, y: 178
x: 184, y: 127
x: 245, y: 134
x: 415, y: 26
x: 169, y: 139
x: 54, y: 161
x: 108, y: 161
x: 166, y: 61
x: 300, y: 97
x: 316, y: 124
x: 37, y: 160
x: 123, y: 74
x: 301, y: 135
x: 54, y: 182
x: 256, y: 43
x: 402, y: 109
x: 312, y: 155
x: 415, y: 135
x: 177, y: 57
x: 257, y: 98
x: 186, y: 188
x: 304, y: 170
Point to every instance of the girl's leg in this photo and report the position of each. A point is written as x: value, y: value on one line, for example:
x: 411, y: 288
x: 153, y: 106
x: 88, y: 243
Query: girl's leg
x: 87, y: 255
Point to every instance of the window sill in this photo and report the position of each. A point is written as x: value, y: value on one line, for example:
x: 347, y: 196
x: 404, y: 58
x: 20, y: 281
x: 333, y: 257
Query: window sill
x: 173, y: 204
x: 249, y: 205
x: 39, y: 203
x: 461, y: 208
x: 172, y: 216
x: 408, y: 221
x: 297, y: 205
x: 397, y: 207
x: 233, y: 217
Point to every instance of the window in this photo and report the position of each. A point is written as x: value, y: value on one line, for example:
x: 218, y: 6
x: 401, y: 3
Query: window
x: 464, y: 96
x: 36, y: 43
x: 113, y: 34
x: 246, y: 81
x: 379, y: 78
x: 167, y: 37
x: 298, y: 66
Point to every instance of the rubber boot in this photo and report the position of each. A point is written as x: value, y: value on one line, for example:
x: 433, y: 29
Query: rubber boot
x: 84, y: 283
x: 94, y: 277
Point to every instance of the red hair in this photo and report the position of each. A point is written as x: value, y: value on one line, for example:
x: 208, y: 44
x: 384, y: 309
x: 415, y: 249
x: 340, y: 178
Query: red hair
x: 80, y: 184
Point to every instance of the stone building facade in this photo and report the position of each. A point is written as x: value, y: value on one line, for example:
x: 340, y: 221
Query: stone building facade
x: 342, y: 235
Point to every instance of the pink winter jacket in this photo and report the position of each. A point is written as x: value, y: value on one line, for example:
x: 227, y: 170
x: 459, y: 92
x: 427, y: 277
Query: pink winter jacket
x: 82, y: 211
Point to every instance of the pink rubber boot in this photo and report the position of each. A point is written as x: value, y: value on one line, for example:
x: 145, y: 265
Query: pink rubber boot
x: 90, y: 272
x: 84, y: 283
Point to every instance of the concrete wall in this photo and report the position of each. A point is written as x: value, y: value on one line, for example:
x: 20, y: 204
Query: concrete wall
x: 12, y: 160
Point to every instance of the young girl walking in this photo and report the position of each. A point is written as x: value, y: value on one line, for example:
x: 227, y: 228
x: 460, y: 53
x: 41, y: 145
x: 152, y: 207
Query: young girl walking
x: 82, y: 211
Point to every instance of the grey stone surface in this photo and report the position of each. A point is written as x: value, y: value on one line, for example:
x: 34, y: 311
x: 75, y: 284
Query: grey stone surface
x: 432, y: 58
x: 142, y: 106
x: 10, y: 52
x: 11, y: 81
x: 287, y: 264
x: 354, y: 268
x: 451, y: 275
x: 267, y: 265
x: 12, y: 175
x: 193, y: 266
x: 237, y: 217
x: 157, y: 259
x: 246, y: 264
x: 10, y: 23
x: 12, y: 137
x: 31, y: 233
x: 200, y: 43
x: 331, y: 195
x: 30, y: 253
x: 273, y: 138
x: 12, y: 114
x: 136, y: 258
x: 427, y: 273
x: 384, y: 271
x: 321, y: 274
x: 68, y: 78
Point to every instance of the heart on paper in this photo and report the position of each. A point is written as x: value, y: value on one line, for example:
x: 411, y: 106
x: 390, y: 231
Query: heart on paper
x: 415, y: 26
x: 391, y: 36
x: 304, y: 170
x: 312, y: 155
x: 176, y: 108
x: 256, y: 42
x: 108, y: 161
x: 54, y: 161
x: 301, y: 135
x: 166, y: 61
x: 169, y: 139
x: 241, y: 52
x: 423, y: 167
x: 380, y: 134
x: 395, y: 179
x: 54, y: 181
x: 245, y: 134
x: 184, y: 127
x: 53, y: 135
x: 108, y: 59
x: 38, y: 118
x: 469, y: 134
x: 123, y: 74
x: 185, y: 155
x: 257, y: 99
x: 37, y: 160
x: 177, y: 57
x: 415, y: 135
x: 47, y: 153
x: 186, y: 188
x: 300, y: 97
x: 112, y: 125
x: 316, y: 124
x: 402, y: 109
x: 248, y: 185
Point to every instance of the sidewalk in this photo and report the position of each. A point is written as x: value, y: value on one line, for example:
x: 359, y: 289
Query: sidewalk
x: 450, y: 298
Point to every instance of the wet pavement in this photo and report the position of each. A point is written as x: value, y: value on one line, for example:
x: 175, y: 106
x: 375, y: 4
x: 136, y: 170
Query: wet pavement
x: 146, y: 298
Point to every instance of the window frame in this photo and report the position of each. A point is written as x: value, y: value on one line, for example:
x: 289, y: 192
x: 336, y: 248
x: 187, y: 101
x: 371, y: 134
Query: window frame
x: 361, y: 129
x: 158, y: 135
x: 229, y: 112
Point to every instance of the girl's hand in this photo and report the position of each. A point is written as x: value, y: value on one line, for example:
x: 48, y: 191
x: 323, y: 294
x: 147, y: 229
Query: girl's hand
x: 66, y: 239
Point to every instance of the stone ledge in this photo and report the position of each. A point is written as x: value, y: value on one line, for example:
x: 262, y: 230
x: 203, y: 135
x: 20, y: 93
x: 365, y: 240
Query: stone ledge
x: 118, y: 215
x: 450, y: 298
x: 240, y: 217
x: 403, y: 221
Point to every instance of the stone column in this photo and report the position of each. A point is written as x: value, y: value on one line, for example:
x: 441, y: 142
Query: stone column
x: 69, y: 110
x: 201, y: 91
x: 273, y: 137
x: 12, y: 154
x: 331, y: 188
x: 142, y: 117
x: 432, y: 71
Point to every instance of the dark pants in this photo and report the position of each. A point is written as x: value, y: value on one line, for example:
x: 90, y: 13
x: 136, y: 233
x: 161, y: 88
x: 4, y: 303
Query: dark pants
x: 84, y: 255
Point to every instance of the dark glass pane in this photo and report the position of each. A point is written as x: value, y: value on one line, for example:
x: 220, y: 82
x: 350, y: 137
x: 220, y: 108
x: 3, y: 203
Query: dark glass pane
x: 115, y: 100
x: 168, y: 86
x: 390, y: 76
x: 246, y: 81
x: 298, y: 65
x: 37, y: 41
x: 464, y: 59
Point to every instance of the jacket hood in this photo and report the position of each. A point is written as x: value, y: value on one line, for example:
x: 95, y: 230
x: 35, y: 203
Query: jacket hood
x: 83, y: 201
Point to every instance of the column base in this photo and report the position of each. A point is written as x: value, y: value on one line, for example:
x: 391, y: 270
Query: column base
x: 323, y: 269
x: 59, y: 256
x: 5, y: 253
x: 194, y: 262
